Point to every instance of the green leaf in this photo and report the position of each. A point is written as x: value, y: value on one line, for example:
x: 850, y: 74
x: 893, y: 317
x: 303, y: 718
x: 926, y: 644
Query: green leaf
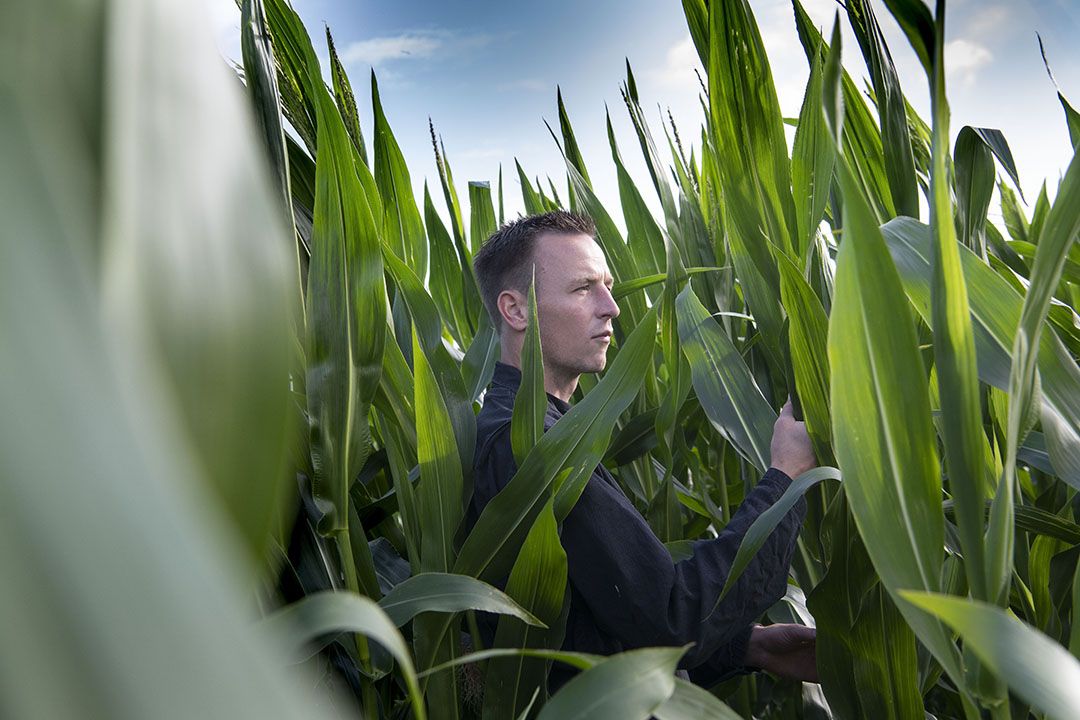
x: 648, y: 147
x: 808, y: 332
x: 481, y: 213
x: 728, y: 394
x: 220, y: 342
x: 447, y: 286
x: 954, y: 341
x: 533, y: 204
x: 345, y: 101
x: 1057, y: 235
x: 1035, y: 667
x: 440, y: 488
x: 538, y: 581
x: 572, y: 151
x: 576, y: 443
x: 918, y: 24
x: 690, y: 702
x: 303, y: 622
x: 882, y: 430
x: 813, y: 158
x: 621, y: 290
x: 748, y: 129
x: 974, y: 168
x: 291, y: 44
x: 1072, y: 118
x: 643, y: 235
x: 766, y: 522
x: 448, y: 593
x: 530, y: 404
x: 1015, y: 222
x: 892, y: 110
x: 402, y: 227
x: 261, y: 80
x: 995, y: 308
x: 346, y: 313
x: 581, y: 661
x: 442, y: 164
x: 103, y: 487
x: 861, y: 139
x: 627, y: 686
x: 478, y: 366
x: 425, y: 320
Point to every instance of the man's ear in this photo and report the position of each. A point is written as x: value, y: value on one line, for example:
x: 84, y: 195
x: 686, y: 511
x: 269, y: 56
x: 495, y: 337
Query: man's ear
x: 514, y: 309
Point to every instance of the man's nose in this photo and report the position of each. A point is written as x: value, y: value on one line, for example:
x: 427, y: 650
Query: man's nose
x: 608, y: 306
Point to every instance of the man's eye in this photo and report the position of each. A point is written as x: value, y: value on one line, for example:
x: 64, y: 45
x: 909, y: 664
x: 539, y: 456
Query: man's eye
x: 583, y: 287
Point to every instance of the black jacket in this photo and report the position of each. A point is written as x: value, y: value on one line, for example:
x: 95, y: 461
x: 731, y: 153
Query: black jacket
x: 625, y: 590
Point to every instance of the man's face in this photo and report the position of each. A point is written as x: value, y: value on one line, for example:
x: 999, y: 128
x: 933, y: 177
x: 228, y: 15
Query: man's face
x: 574, y: 305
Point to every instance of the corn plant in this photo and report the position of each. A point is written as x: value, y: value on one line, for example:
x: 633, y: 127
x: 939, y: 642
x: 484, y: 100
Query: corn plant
x: 251, y: 305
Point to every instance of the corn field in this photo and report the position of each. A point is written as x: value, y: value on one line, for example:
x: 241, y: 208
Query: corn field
x: 241, y: 364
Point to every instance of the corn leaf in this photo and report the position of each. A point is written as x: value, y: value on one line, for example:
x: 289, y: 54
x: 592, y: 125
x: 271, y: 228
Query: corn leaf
x: 333, y: 612
x: 439, y: 491
x: 345, y: 101
x: 690, y: 702
x: 478, y: 366
x: 974, y: 167
x: 481, y: 213
x: 530, y: 403
x: 995, y: 308
x: 813, y: 158
x: 538, y: 582
x: 221, y: 341
x: 643, y: 235
x: 1056, y: 237
x: 444, y: 592
x: 1036, y: 668
x: 892, y: 109
x: 570, y: 146
x: 808, y: 332
x: 727, y: 391
x: 954, y: 343
x: 402, y: 227
x: 861, y: 136
x: 628, y: 686
x: 766, y: 522
x: 103, y: 487
x: 447, y: 288
x: 428, y: 328
x: 533, y: 204
x: 746, y: 124
x: 882, y: 431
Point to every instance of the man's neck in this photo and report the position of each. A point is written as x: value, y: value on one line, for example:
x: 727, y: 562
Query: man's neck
x: 561, y: 389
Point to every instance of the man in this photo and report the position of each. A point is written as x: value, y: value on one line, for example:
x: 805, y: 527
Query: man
x: 625, y: 590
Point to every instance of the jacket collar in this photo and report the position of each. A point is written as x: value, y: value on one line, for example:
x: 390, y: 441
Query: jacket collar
x: 509, y: 377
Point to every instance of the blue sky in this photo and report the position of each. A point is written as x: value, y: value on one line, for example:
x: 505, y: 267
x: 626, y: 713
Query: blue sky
x: 486, y: 73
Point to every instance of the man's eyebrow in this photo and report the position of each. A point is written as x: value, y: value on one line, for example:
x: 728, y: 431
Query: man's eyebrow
x: 588, y: 279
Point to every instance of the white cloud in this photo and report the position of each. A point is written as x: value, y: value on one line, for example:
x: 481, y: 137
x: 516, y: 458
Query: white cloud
x: 679, y: 65
x: 964, y: 59
x: 412, y: 45
x: 984, y: 20
x: 377, y: 50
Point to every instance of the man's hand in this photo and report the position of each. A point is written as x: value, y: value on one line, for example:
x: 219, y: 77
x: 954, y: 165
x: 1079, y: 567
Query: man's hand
x: 786, y: 650
x: 791, y: 451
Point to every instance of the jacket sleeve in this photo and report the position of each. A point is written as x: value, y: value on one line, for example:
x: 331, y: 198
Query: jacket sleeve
x: 639, y: 595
